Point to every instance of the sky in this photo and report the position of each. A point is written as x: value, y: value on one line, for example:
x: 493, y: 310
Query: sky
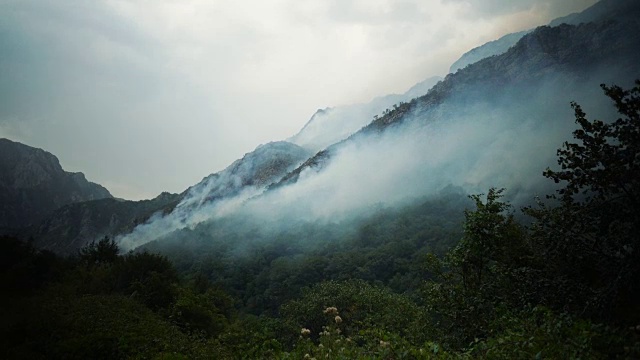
x: 148, y: 96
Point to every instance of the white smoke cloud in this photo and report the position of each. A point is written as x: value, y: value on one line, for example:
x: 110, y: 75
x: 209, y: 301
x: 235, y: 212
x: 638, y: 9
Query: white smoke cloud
x: 474, y: 141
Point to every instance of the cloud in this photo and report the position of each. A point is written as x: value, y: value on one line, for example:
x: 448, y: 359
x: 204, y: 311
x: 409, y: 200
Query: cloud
x: 158, y: 94
x: 496, y: 8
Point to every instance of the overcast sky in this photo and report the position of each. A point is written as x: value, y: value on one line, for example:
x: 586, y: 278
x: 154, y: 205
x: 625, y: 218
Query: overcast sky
x: 146, y: 96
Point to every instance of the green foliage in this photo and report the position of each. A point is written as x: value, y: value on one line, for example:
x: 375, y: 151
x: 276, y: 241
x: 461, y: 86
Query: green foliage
x: 207, y: 312
x: 64, y: 326
x: 478, y: 275
x: 98, y: 306
x: 603, y: 164
x: 491, y: 240
x: 264, y: 268
x: 371, y: 342
x: 150, y: 278
x: 104, y: 251
x: 24, y: 269
x: 578, y: 258
x: 362, y: 305
x: 590, y: 241
x: 539, y: 333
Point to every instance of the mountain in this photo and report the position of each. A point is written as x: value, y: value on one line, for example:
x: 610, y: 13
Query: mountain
x: 471, y: 130
x: 333, y: 124
x: 59, y: 210
x: 495, y: 47
x: 615, y: 10
x: 604, y: 9
x: 33, y: 185
x: 608, y: 50
x: 74, y: 226
x: 63, y: 212
x: 244, y: 179
x: 255, y: 170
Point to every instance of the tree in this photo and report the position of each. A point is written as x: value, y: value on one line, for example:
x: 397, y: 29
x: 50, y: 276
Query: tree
x: 590, y: 240
x: 104, y: 251
x: 481, y: 274
x: 604, y: 164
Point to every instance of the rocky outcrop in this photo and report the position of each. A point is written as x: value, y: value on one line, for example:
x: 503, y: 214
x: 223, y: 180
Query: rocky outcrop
x: 33, y: 185
x: 257, y: 169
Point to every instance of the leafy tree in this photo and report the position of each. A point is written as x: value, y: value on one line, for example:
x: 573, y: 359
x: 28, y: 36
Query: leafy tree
x: 590, y: 241
x: 150, y: 278
x: 361, y: 306
x: 482, y: 273
x: 604, y: 164
x: 104, y: 251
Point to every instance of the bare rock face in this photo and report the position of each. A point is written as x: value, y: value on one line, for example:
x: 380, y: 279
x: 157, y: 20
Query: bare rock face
x: 33, y: 185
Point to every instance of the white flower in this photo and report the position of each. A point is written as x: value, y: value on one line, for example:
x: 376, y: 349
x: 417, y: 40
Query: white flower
x: 331, y: 310
x: 338, y: 319
x: 305, y: 332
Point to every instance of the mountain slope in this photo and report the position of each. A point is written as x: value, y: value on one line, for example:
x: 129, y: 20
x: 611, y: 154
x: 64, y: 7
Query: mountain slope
x: 257, y: 169
x: 76, y: 225
x: 495, y: 47
x: 217, y: 193
x: 604, y: 9
x: 494, y: 123
x: 546, y: 64
x: 331, y: 125
x: 33, y: 184
x: 72, y: 227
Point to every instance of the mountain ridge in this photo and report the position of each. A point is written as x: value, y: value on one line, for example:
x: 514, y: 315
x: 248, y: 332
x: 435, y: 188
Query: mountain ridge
x: 602, y: 9
x: 33, y: 184
x: 332, y: 124
x: 562, y: 48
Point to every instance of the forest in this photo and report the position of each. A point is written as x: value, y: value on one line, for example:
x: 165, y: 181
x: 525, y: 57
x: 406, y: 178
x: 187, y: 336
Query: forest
x: 449, y: 276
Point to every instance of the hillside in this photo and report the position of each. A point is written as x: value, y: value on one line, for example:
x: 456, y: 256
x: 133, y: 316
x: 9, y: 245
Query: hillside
x: 551, y: 64
x: 602, y: 10
x: 33, y: 185
x: 334, y: 124
x: 75, y: 226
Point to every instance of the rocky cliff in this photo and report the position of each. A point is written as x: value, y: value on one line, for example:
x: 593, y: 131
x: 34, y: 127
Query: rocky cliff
x: 33, y: 185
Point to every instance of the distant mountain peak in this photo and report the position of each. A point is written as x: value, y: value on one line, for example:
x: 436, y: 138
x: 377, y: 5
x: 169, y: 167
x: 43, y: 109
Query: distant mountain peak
x: 33, y: 184
x: 602, y: 10
x: 259, y: 168
x: 333, y: 124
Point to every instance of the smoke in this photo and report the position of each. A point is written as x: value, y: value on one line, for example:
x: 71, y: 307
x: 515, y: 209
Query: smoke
x: 219, y: 194
x: 331, y: 125
x: 478, y: 138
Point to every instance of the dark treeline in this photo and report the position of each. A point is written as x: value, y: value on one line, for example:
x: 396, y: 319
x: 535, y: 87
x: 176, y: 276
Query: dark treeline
x: 431, y: 280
